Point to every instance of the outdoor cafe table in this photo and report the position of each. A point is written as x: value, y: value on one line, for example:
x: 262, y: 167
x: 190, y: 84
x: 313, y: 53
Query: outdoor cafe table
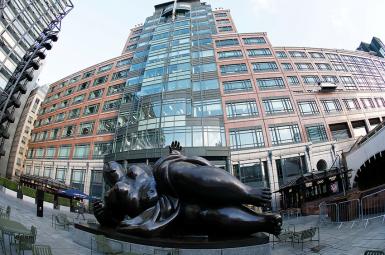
x: 11, y: 228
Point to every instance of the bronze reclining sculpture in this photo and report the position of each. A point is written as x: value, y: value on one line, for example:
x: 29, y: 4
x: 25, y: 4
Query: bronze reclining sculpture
x: 182, y: 195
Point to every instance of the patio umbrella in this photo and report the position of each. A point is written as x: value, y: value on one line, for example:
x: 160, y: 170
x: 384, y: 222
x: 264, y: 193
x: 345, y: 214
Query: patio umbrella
x: 74, y: 193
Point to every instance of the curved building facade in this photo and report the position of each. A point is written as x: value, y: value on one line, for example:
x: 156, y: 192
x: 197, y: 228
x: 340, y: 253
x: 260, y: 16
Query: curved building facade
x: 265, y: 114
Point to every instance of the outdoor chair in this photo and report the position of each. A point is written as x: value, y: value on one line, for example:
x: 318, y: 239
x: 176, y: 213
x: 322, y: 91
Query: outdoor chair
x: 41, y: 250
x: 2, y: 242
x: 374, y: 252
x: 308, y: 234
x: 5, y: 214
x: 283, y: 237
x: 25, y: 242
x: 62, y: 221
x: 106, y: 246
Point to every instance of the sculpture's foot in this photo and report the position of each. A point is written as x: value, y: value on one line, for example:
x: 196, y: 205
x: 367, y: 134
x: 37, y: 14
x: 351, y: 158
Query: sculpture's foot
x: 273, y: 223
x: 259, y: 196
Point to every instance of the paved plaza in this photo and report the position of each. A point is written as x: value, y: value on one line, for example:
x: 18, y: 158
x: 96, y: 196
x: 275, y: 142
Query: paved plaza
x: 346, y: 240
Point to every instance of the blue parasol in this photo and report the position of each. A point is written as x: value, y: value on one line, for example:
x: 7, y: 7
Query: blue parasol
x: 74, y: 193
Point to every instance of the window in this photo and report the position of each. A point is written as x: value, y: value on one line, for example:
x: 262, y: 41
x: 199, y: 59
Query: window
x: 348, y: 82
x: 78, y: 99
x: 77, y: 179
x: 308, y: 107
x: 64, y: 151
x: 155, y: 72
x: 316, y: 55
x: 225, y: 29
x: 177, y: 85
x: 359, y: 128
x: 233, y: 68
x: 351, y: 104
x: 201, y: 42
x: 277, y: 106
x: 101, y: 149
x: 293, y: 80
x: 64, y: 104
x: 54, y: 134
x: 241, y: 109
x: 316, y: 133
x: 330, y: 78
x: 111, y: 105
x: 230, y: 54
x: 254, y: 40
x: 367, y: 103
x: 83, y: 86
x: 39, y: 153
x: 271, y: 83
x: 265, y: 66
x: 285, y: 134
x: 100, y: 80
x: 81, y: 151
x: 323, y: 66
x: 124, y: 62
x: 91, y: 109
x: 50, y: 152
x: 281, y: 54
x: 304, y: 66
x: 88, y: 74
x: 120, y: 75
x: 86, y: 128
x: 69, y: 91
x: 204, y: 68
x: 198, y: 54
x: 221, y: 14
x: 115, y: 89
x: 37, y: 170
x: 246, y: 138
x: 331, y: 106
x: 68, y: 131
x: 237, y: 86
x: 60, y: 117
x: 227, y: 42
x: 289, y: 169
x: 47, y: 171
x: 311, y: 79
x: 333, y: 57
x: 259, y: 52
x: 205, y: 85
x: 297, y: 54
x: 107, y: 126
x: 95, y: 94
x: 74, y: 113
x: 287, y: 66
x: 340, y: 67
x: 207, y: 108
x: 105, y: 68
x: 340, y: 131
x: 60, y: 174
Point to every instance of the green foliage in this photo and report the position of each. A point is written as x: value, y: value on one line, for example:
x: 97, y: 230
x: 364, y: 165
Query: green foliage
x: 48, y: 197
x: 64, y: 201
x: 8, y: 184
x: 29, y: 191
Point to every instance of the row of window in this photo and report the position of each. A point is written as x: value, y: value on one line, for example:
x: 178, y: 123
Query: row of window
x: 283, y: 105
x: 92, y: 72
x: 110, y: 105
x: 85, y: 85
x: 99, y: 93
x: 234, y: 41
x: 83, y: 129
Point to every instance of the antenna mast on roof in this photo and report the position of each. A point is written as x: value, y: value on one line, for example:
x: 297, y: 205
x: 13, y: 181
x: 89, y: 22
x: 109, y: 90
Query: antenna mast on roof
x: 174, y: 11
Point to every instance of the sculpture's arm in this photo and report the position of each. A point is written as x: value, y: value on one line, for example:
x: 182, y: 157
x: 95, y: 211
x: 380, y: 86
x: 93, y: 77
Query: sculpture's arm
x: 103, y: 215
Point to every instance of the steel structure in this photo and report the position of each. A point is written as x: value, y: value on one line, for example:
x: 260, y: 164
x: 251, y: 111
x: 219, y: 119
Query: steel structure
x: 17, y: 84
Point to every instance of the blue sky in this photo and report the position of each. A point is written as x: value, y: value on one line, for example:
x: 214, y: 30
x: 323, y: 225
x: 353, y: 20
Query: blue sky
x: 96, y: 30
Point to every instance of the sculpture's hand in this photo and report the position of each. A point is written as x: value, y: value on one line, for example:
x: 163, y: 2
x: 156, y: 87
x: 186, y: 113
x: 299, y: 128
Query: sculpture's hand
x: 261, y: 196
x: 99, y: 211
x: 175, y: 146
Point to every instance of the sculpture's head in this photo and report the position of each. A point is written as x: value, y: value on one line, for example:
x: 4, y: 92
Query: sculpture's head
x: 135, y: 192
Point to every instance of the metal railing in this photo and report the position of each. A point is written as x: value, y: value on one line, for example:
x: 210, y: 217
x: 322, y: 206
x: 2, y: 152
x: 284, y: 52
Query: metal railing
x: 363, y: 210
x: 373, y: 206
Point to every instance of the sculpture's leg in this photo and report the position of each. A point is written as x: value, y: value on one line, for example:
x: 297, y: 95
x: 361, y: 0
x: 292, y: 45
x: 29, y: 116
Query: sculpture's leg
x: 214, y: 185
x: 240, y: 220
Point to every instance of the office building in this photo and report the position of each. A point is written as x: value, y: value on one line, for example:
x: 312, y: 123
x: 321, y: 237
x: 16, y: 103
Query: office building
x: 265, y: 114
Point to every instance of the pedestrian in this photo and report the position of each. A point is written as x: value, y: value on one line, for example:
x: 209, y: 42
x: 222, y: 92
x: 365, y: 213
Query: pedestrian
x: 81, y: 209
